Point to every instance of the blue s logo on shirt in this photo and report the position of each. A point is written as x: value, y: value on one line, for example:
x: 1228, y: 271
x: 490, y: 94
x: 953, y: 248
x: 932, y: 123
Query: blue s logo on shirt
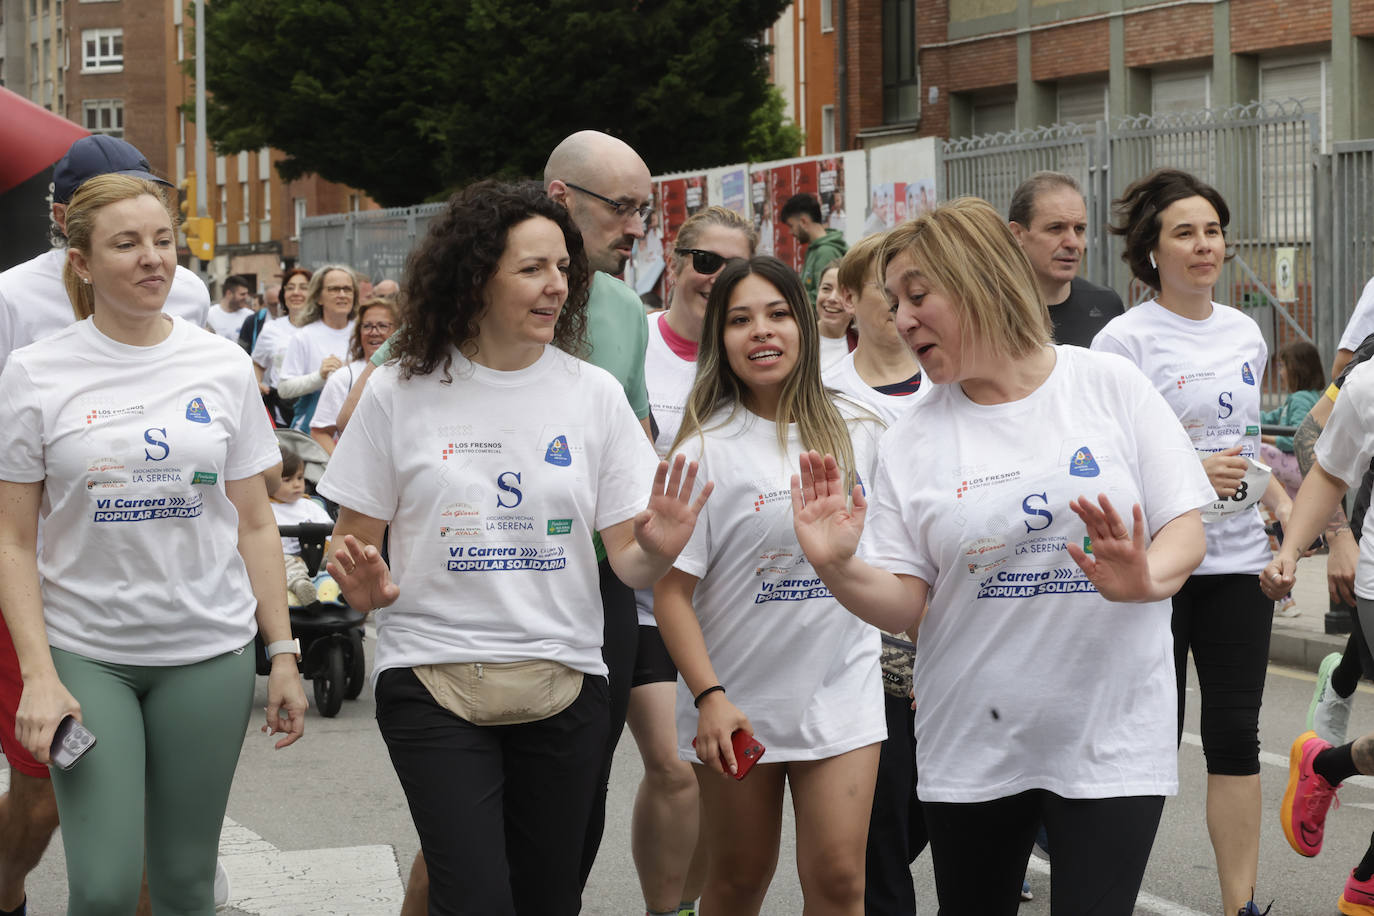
x: 1041, y: 513
x: 504, y: 484
x: 156, y: 443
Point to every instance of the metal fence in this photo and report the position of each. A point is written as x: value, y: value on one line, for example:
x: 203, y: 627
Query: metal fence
x: 1352, y: 234
x: 1262, y: 157
x: 375, y: 242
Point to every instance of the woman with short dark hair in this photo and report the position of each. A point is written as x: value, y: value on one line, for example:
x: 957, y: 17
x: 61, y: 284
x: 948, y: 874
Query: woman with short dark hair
x: 1208, y: 360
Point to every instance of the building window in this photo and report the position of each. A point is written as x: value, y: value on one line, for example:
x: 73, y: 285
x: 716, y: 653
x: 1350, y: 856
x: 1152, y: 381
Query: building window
x: 300, y: 215
x: 104, y: 116
x: 901, y: 82
x: 827, y: 128
x: 1081, y: 102
x: 102, y: 50
x: 827, y: 16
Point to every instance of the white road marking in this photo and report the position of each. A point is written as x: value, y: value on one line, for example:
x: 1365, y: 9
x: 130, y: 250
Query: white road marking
x: 349, y: 881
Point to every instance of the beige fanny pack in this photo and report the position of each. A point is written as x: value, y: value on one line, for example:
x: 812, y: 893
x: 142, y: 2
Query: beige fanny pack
x: 506, y: 693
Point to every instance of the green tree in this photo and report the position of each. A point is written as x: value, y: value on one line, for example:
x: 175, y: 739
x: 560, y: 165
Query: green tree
x: 404, y: 100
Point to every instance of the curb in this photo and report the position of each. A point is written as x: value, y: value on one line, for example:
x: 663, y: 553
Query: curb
x: 1303, y: 649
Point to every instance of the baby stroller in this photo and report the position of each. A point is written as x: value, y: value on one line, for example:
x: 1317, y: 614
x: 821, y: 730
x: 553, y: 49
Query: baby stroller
x: 331, y: 632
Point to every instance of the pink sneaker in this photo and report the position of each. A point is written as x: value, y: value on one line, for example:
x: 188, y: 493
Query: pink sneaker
x: 1358, y: 897
x: 1308, y: 797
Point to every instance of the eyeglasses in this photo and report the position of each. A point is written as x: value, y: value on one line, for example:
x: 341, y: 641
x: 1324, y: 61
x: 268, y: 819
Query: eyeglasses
x: 706, y: 262
x: 336, y: 290
x: 621, y: 208
x: 382, y: 326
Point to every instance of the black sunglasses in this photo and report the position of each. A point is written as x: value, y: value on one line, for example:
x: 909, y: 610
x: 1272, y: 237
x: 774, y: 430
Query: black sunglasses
x: 706, y: 262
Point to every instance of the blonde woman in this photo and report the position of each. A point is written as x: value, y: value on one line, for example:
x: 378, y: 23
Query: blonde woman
x: 144, y: 441
x: 981, y: 545
x: 663, y: 831
x: 759, y: 642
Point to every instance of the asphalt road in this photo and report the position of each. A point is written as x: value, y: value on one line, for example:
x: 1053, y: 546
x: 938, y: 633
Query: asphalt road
x: 323, y: 828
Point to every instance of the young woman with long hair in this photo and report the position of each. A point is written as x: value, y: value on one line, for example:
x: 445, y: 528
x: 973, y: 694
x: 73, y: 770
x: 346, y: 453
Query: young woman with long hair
x: 760, y: 643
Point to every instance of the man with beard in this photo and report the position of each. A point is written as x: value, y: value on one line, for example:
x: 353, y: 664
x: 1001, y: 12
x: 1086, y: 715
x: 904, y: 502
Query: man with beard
x: 802, y: 214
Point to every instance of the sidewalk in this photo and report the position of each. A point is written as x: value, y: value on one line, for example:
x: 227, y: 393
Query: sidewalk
x: 1302, y: 642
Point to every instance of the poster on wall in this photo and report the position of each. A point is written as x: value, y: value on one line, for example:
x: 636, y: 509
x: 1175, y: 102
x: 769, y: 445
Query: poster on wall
x: 673, y: 201
x: 732, y: 196
x: 823, y: 179
x: 761, y: 196
x: 896, y: 202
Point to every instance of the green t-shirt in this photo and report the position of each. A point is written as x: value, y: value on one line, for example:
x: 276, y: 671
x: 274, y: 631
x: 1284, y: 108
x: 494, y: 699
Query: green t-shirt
x: 820, y: 252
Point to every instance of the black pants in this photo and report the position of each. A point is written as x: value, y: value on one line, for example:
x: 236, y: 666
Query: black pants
x: 619, y: 646
x: 501, y: 810
x: 1101, y: 847
x: 896, y: 827
x: 1226, y: 620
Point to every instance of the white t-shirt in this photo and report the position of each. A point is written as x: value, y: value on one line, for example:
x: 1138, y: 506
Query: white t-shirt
x: 270, y: 348
x: 311, y: 344
x: 833, y: 349
x: 34, y: 303
x: 1055, y: 688
x: 139, y: 561
x: 843, y: 377
x: 299, y: 512
x: 1345, y: 448
x: 493, y: 485
x: 1361, y: 323
x: 334, y: 393
x: 1210, y: 373
x: 801, y: 667
x: 669, y: 379
x: 227, y: 324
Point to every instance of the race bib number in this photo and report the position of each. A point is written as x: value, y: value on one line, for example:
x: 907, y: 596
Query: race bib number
x: 1248, y: 492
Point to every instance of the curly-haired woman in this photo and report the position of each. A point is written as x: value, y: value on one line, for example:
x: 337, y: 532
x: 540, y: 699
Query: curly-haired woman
x: 493, y: 454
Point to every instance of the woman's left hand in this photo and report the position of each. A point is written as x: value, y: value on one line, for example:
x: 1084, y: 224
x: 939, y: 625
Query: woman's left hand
x: 285, y: 700
x: 1118, y: 566
x: 665, y: 526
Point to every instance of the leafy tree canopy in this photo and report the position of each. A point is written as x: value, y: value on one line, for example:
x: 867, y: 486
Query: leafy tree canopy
x: 405, y: 100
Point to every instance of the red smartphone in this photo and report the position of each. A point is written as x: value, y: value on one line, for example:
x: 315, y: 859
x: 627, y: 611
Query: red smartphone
x: 748, y: 750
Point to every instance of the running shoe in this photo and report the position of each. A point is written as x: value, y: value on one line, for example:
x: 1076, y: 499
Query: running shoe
x: 1358, y: 897
x: 1288, y: 608
x: 1251, y: 909
x: 1329, y: 713
x: 221, y: 885
x: 1026, y: 894
x: 1308, y: 797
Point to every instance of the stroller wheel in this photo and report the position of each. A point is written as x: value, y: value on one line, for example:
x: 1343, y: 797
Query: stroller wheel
x: 329, y: 680
x: 355, y: 674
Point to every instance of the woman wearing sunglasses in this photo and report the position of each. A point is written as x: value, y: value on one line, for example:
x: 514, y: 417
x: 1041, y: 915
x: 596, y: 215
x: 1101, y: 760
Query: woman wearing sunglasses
x: 663, y: 832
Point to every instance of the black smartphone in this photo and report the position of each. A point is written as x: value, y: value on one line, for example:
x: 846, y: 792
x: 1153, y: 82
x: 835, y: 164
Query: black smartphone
x: 70, y: 743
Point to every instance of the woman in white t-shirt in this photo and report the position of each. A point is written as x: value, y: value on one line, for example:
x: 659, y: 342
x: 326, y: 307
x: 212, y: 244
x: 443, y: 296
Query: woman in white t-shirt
x: 834, y: 317
x: 663, y: 830
x: 320, y: 345
x: 492, y: 455
x: 973, y: 533
x: 140, y: 441
x: 270, y: 348
x: 376, y: 321
x: 1208, y: 360
x: 760, y: 643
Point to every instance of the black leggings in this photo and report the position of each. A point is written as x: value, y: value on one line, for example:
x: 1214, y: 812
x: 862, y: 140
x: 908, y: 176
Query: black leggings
x: 1225, y: 619
x: 501, y: 809
x: 896, y: 827
x: 620, y: 645
x: 1101, y: 847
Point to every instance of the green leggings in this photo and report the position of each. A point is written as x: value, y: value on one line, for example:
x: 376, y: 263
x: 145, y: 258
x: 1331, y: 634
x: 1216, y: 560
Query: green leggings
x: 167, y: 743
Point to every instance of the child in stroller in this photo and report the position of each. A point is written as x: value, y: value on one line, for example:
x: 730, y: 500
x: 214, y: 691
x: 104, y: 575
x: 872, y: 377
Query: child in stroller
x: 291, y: 507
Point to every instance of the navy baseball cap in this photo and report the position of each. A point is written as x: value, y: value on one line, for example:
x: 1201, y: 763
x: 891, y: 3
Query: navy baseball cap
x: 98, y: 154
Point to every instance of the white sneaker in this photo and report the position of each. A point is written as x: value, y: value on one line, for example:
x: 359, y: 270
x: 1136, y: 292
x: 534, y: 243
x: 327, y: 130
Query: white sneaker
x: 221, y: 885
x: 1329, y: 713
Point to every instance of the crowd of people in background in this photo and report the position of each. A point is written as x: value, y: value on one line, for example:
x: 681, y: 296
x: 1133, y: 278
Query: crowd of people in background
x: 801, y: 532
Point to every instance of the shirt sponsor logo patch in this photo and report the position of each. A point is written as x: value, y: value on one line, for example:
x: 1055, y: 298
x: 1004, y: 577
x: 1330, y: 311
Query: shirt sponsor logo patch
x: 557, y: 452
x: 204, y: 478
x: 1246, y: 375
x: 1252, y: 431
x: 560, y: 526
x: 196, y: 412
x: 1082, y: 464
